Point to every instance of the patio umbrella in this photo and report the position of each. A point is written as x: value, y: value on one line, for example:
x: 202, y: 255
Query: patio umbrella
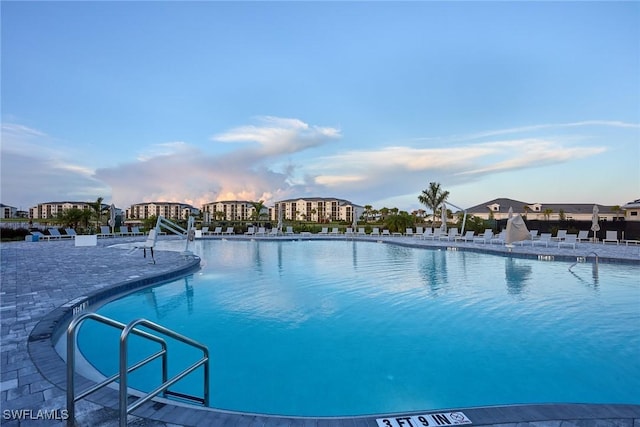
x: 112, y: 216
x: 356, y: 214
x: 280, y: 219
x: 443, y: 227
x: 516, y: 230
x: 595, y: 227
x: 510, y: 214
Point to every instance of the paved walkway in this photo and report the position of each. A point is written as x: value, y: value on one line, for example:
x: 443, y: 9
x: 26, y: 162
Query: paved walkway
x: 41, y: 282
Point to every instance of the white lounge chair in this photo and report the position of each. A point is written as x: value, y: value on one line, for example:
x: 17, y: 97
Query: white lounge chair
x: 229, y: 231
x: 217, y: 231
x: 105, y: 231
x: 289, y: 231
x: 427, y: 234
x: 408, y: 232
x: 451, y: 235
x: 135, y: 231
x: 250, y: 231
x: 386, y: 232
x: 349, y: 232
x: 361, y: 231
x: 611, y: 236
x: 485, y: 237
x: 261, y: 231
x: 375, y: 231
x: 569, y: 240
x: 534, y: 234
x: 545, y: 239
x: 124, y: 231
x: 205, y: 231
x: 467, y: 237
x: 335, y: 231
x: 560, y: 235
x: 419, y: 231
x: 55, y: 233
x: 499, y: 238
x: 583, y: 235
x: 71, y: 232
x: 324, y: 231
x: 150, y: 243
x: 274, y: 232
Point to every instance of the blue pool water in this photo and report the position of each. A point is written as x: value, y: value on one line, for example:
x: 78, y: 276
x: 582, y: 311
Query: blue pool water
x: 324, y: 328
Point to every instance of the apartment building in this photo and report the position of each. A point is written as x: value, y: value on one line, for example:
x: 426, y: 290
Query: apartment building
x: 317, y: 209
x: 169, y: 210
x: 229, y: 210
x: 8, y: 211
x: 50, y: 210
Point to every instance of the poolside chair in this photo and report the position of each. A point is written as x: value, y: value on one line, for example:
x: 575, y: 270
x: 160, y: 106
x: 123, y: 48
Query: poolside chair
x: 419, y: 231
x: 569, y: 240
x: 408, y: 232
x: 40, y: 235
x: 545, y: 239
x: 135, y: 231
x: 124, y: 231
x: 375, y: 231
x: 583, y: 235
x: 349, y: 232
x: 105, y: 231
x: 55, y: 233
x: 611, y: 236
x: 217, y: 231
x: 205, y: 231
x: 71, y: 232
x: 229, y: 231
x: 426, y: 234
x: 451, y: 235
x: 261, y: 231
x: 385, y: 233
x: 485, y: 237
x: 324, y: 231
x: 467, y: 237
x: 274, y: 232
x: 561, y: 235
x: 361, y: 231
x: 335, y: 231
x: 534, y: 235
x: 499, y: 238
x: 150, y: 243
x: 289, y: 231
x: 250, y: 231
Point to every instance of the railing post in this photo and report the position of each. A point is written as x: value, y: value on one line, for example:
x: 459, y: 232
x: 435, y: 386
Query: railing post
x: 123, y: 376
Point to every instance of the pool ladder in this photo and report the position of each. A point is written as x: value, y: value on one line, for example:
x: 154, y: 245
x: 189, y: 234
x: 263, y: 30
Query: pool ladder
x: 124, y: 369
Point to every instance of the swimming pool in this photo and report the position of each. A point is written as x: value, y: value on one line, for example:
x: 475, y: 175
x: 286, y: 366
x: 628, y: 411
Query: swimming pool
x: 334, y: 328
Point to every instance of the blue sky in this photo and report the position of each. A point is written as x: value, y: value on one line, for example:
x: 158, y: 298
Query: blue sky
x: 369, y: 101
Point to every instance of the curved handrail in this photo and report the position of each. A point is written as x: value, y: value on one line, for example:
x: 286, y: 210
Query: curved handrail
x: 130, y: 328
x: 71, y: 357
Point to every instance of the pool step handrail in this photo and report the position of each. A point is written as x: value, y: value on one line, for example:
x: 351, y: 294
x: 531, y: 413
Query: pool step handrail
x: 189, y: 233
x: 124, y: 369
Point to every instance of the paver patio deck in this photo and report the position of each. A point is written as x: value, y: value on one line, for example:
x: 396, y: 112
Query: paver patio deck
x: 39, y: 279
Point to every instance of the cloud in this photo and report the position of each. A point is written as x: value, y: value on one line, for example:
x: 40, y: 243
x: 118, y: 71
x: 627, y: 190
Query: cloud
x: 278, y: 136
x: 178, y: 171
x: 35, y: 169
x: 269, y: 161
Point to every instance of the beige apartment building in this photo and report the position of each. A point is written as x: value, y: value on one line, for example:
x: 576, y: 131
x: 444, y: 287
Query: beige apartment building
x: 316, y: 209
x: 229, y: 210
x: 50, y: 210
x: 169, y: 210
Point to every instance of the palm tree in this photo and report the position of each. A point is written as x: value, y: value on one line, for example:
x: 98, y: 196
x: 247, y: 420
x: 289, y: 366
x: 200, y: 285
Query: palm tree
x: 257, y: 212
x: 547, y: 213
x: 98, y: 209
x: 433, y: 197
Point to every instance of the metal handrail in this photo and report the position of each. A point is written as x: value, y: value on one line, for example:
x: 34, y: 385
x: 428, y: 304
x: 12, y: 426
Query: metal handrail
x: 124, y: 369
x: 124, y: 336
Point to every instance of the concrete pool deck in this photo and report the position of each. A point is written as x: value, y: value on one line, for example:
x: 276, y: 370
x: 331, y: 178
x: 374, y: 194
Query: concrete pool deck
x: 40, y: 279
